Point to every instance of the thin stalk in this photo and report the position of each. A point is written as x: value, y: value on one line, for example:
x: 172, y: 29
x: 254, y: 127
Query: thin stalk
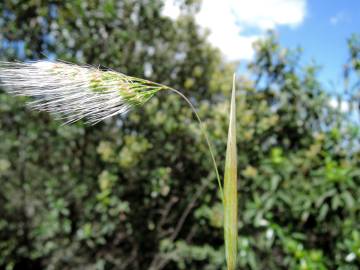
x: 205, y: 134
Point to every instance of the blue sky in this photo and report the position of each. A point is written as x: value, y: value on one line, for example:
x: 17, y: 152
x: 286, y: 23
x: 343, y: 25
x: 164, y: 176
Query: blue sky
x: 323, y: 34
x: 320, y: 27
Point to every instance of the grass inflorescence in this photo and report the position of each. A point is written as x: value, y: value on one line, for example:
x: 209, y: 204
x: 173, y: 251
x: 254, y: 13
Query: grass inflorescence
x: 72, y: 92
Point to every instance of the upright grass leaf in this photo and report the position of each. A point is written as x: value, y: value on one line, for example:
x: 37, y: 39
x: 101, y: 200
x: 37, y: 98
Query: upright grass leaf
x: 230, y: 189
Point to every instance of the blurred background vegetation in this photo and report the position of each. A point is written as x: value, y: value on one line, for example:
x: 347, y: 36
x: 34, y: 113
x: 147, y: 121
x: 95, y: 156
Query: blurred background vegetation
x: 140, y: 192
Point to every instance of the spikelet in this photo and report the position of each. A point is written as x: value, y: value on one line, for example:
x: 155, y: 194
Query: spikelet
x: 73, y: 92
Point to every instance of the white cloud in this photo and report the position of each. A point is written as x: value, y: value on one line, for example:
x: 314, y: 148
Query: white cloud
x: 224, y: 32
x: 267, y: 14
x: 339, y: 17
x: 228, y: 21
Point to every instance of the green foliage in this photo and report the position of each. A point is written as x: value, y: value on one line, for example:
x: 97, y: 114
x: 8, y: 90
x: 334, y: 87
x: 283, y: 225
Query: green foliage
x: 140, y: 192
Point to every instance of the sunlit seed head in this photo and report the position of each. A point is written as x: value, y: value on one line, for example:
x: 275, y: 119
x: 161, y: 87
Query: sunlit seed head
x: 75, y: 92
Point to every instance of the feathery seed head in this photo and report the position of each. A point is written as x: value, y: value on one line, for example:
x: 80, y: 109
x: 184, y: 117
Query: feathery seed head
x: 75, y: 92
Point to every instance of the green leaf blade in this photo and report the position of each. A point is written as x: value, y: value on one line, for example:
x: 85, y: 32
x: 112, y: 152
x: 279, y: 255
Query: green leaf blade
x: 230, y: 189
